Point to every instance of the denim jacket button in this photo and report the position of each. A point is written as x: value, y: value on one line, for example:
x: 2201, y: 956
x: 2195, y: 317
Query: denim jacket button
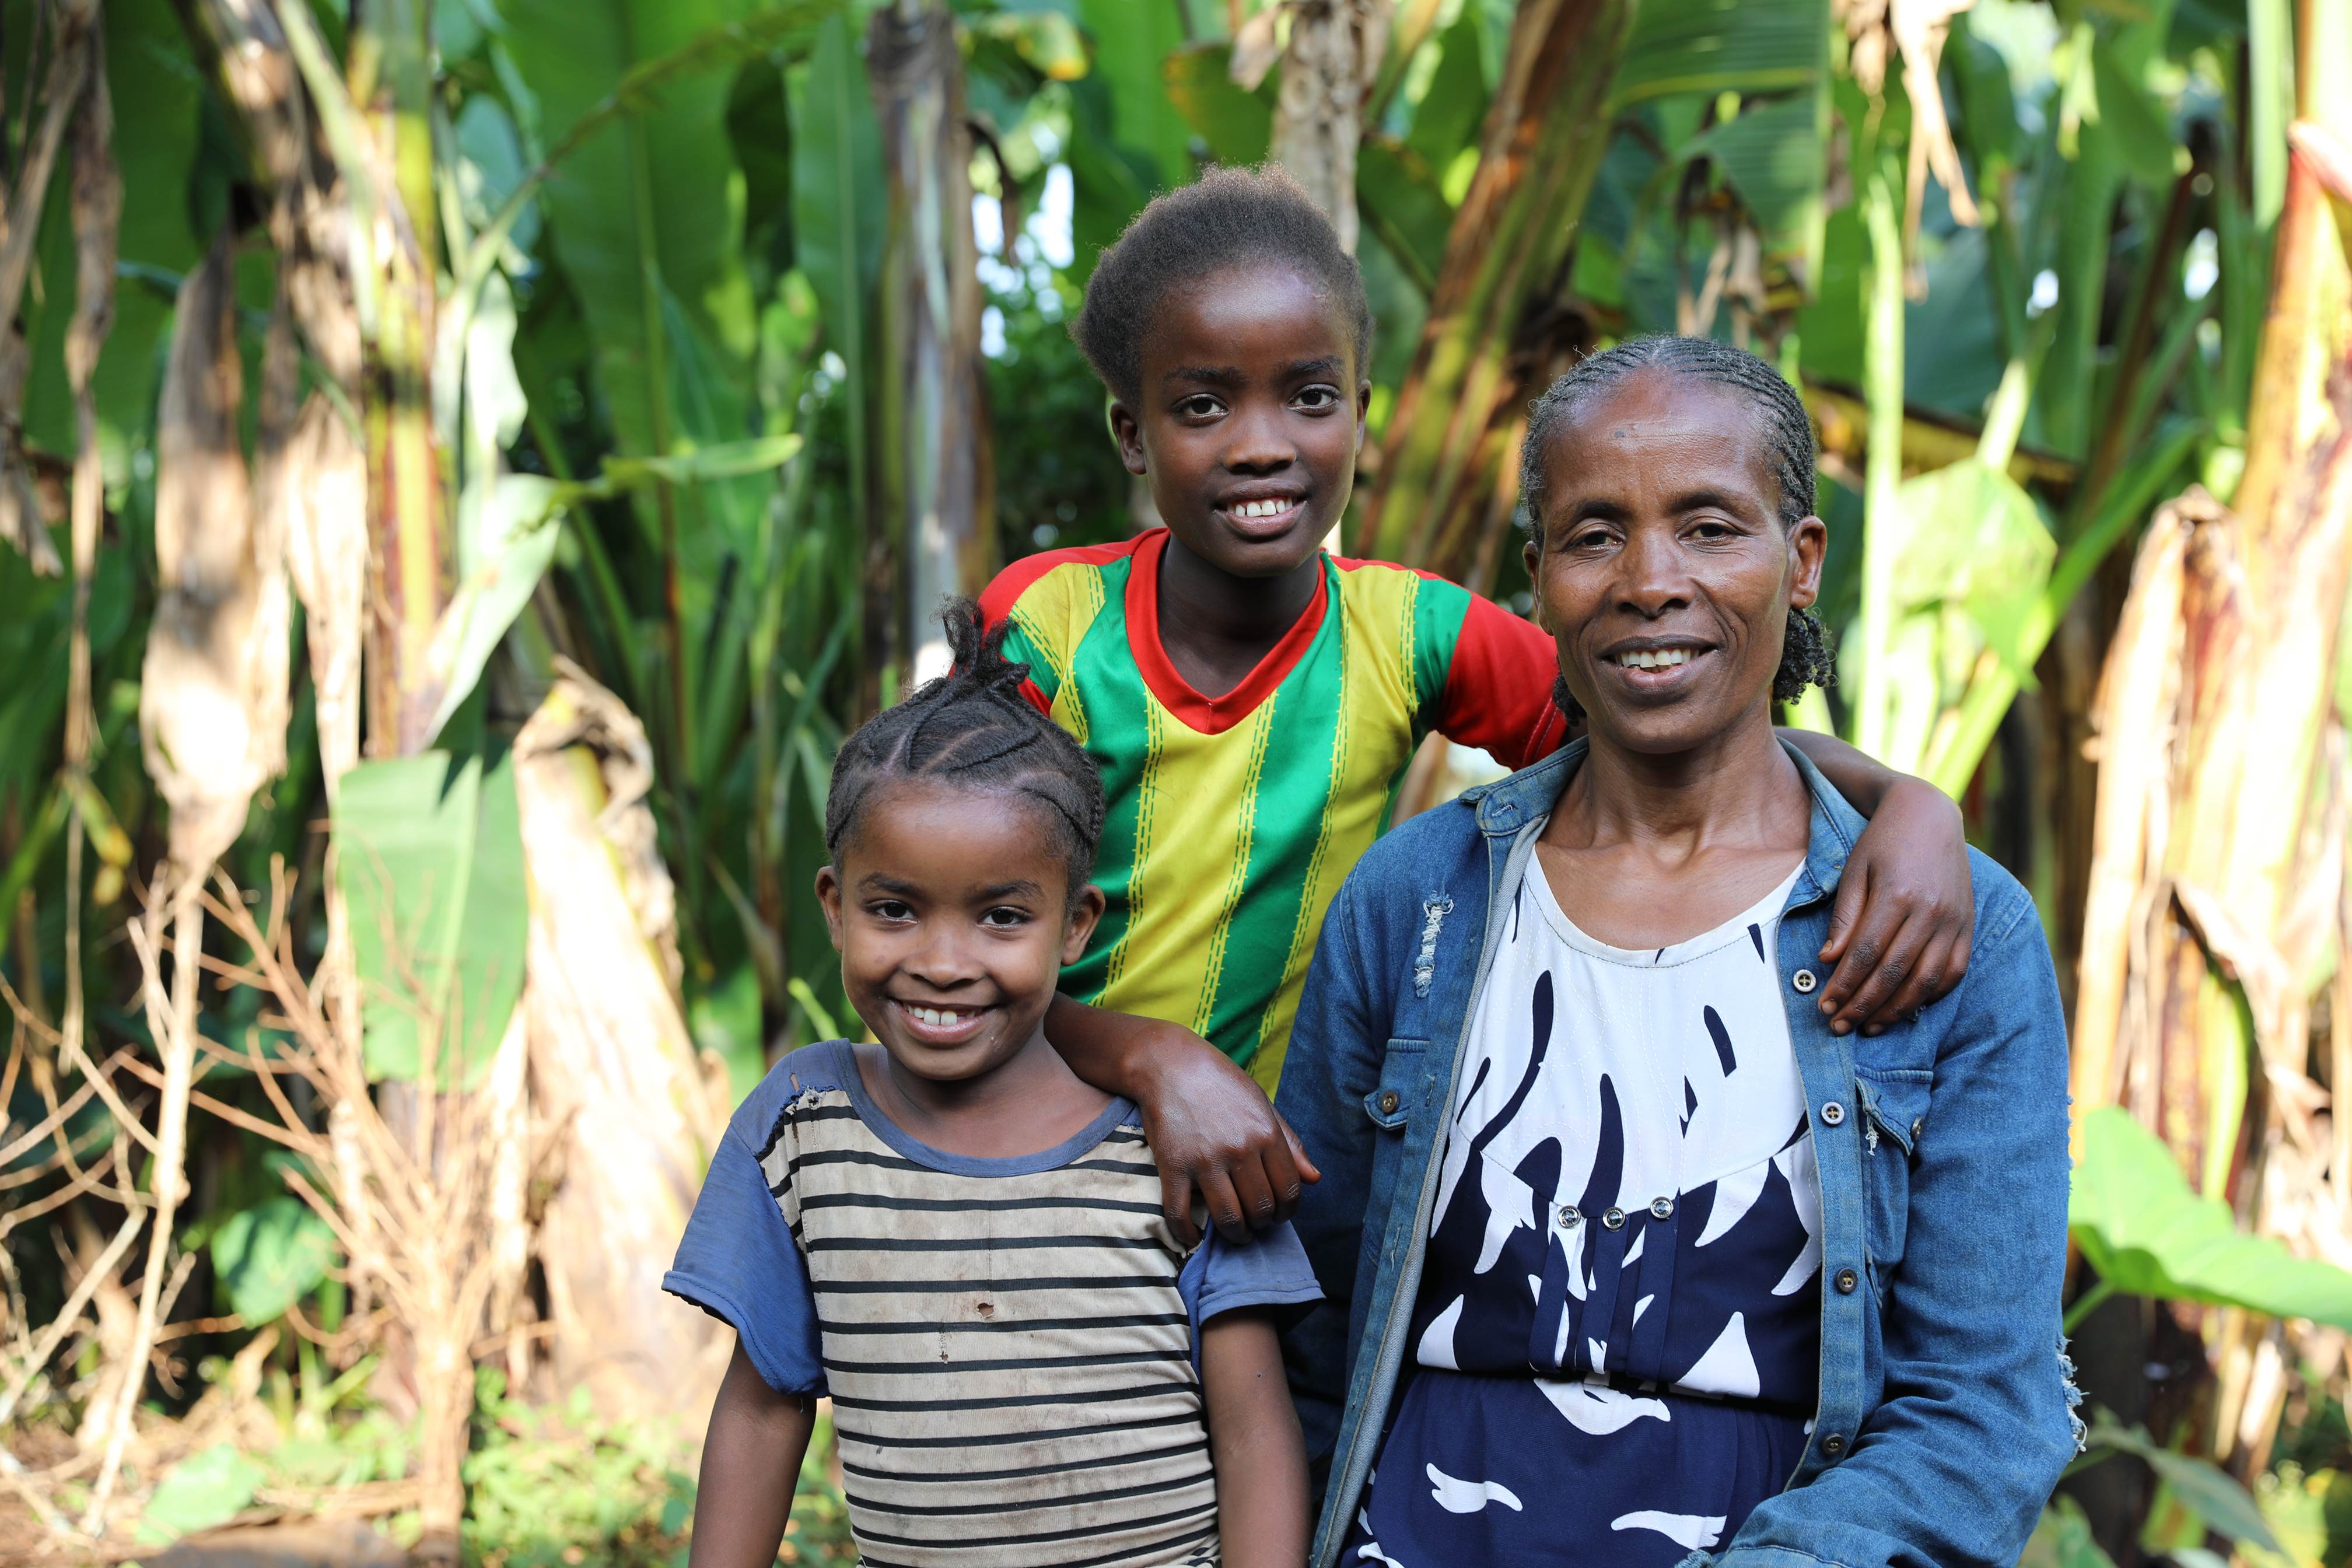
x: 1845, y: 1281
x: 1804, y: 981
x: 1614, y: 1219
x: 1916, y: 1124
x: 1662, y: 1208
x: 1834, y: 1445
x: 1833, y: 1113
x: 1568, y: 1218
x: 1389, y: 1102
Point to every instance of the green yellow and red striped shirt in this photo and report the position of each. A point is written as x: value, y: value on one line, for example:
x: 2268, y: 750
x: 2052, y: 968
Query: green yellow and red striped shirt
x: 1231, y: 820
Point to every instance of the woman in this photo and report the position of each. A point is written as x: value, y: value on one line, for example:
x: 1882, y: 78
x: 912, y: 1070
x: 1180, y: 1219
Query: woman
x: 1629, y: 1258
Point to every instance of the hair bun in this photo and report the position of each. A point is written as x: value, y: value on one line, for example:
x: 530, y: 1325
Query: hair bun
x: 978, y: 647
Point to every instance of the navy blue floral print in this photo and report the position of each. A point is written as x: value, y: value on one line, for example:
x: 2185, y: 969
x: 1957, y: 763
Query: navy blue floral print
x: 1617, y: 1340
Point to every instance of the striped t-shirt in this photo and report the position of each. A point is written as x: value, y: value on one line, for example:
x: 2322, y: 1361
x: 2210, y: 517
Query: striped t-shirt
x: 1011, y: 1345
x: 1231, y: 820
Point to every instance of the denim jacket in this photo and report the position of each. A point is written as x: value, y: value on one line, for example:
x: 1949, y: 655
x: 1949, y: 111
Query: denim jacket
x: 1945, y: 1404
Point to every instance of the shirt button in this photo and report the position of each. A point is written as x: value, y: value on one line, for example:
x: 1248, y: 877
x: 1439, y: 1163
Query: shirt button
x: 1614, y: 1219
x: 1916, y: 1123
x: 1389, y: 1103
x: 1568, y: 1218
x: 1845, y: 1281
x: 1804, y: 981
x: 1834, y: 1445
x: 1662, y: 1208
x: 1833, y: 1113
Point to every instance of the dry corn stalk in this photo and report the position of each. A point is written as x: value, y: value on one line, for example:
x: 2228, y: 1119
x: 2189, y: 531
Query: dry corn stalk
x: 612, y: 1065
x: 429, y: 1189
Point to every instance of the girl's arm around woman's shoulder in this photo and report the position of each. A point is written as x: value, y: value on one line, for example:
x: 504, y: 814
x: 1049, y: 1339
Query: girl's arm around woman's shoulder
x: 1253, y: 1443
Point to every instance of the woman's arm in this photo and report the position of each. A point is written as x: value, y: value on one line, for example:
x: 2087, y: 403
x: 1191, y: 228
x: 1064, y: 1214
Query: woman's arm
x: 751, y: 1465
x: 1905, y: 911
x: 1972, y: 1428
x: 1210, y: 1126
x: 1253, y: 1443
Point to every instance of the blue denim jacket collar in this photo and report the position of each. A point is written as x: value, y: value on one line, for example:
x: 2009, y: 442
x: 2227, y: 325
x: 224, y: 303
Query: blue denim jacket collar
x: 1508, y: 807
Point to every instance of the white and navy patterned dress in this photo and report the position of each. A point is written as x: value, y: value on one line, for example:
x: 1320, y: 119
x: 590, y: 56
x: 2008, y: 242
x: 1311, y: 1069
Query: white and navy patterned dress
x: 1617, y: 1343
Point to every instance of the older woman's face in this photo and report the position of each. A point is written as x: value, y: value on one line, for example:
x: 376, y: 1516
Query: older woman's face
x: 1660, y: 565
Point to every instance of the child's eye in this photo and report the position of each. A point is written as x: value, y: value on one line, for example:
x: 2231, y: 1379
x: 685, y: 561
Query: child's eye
x: 1200, y: 406
x: 1004, y: 917
x: 1315, y: 399
x: 891, y: 909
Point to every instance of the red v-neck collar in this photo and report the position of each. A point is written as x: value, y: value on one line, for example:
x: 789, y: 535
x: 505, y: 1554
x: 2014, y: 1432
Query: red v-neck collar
x: 1209, y: 715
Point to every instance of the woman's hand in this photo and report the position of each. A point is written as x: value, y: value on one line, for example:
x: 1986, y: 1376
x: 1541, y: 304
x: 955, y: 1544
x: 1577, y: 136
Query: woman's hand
x: 1905, y: 913
x: 1212, y: 1132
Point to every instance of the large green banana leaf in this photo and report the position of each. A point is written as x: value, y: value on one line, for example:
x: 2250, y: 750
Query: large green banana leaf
x: 2145, y: 1233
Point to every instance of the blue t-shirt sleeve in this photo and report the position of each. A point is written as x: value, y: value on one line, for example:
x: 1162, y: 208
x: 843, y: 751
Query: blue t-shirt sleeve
x: 739, y: 1263
x: 1271, y: 1271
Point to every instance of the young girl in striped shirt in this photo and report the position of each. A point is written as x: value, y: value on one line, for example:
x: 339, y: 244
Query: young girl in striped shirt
x: 956, y: 1239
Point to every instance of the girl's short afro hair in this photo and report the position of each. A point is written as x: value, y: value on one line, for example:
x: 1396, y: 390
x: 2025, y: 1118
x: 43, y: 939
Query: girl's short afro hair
x: 1228, y: 217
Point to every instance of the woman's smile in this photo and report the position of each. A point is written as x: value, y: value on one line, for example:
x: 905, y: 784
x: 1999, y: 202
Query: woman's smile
x: 1655, y: 668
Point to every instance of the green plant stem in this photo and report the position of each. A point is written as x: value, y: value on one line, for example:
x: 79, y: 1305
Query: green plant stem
x: 1987, y: 698
x: 1882, y: 538
x: 2089, y: 1301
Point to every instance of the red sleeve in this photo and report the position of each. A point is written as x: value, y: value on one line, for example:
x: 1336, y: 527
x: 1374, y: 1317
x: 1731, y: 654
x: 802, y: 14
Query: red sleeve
x: 1005, y: 591
x: 1497, y: 694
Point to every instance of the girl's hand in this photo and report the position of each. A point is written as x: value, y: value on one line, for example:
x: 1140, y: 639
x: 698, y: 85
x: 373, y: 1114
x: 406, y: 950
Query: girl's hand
x: 1213, y: 1130
x: 1215, y: 1135
x: 1905, y: 913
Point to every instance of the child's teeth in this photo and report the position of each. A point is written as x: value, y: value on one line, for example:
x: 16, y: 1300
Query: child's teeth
x: 1260, y: 509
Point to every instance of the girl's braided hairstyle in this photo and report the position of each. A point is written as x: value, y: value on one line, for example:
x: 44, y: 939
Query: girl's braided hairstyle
x: 1806, y: 654
x: 972, y: 728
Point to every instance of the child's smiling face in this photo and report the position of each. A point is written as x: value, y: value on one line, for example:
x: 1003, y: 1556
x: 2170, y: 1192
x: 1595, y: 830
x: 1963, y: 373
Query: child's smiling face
x: 1248, y: 414
x: 951, y: 909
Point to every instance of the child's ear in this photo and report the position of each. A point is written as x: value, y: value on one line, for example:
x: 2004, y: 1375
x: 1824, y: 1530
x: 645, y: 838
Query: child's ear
x: 828, y: 893
x: 1126, y: 432
x: 1085, y: 909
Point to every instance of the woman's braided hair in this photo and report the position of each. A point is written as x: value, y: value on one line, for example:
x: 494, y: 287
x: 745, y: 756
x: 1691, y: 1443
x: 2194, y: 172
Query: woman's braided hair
x: 1807, y: 656
x: 971, y: 728
x: 1227, y: 218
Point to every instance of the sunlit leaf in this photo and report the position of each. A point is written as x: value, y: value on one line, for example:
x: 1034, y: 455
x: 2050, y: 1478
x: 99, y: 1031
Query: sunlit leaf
x: 271, y: 1255
x: 2061, y: 1538
x: 2211, y: 1491
x: 205, y: 1490
x: 1974, y: 539
x: 2145, y: 1233
x: 429, y: 854
x: 1237, y: 124
x: 1715, y: 45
